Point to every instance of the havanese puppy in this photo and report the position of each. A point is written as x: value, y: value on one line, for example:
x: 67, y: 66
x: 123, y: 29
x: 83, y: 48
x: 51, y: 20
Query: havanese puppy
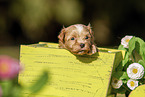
x: 78, y: 39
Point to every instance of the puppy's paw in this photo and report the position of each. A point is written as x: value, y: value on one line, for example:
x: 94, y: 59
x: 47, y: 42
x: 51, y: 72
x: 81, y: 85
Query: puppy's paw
x: 93, y: 50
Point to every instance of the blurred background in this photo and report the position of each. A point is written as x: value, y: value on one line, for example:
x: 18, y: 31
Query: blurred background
x: 31, y: 21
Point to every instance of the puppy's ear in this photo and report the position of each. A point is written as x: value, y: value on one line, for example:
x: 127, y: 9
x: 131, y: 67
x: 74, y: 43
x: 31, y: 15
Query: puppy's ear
x: 89, y: 26
x: 61, y: 38
x: 93, y: 46
x: 90, y: 30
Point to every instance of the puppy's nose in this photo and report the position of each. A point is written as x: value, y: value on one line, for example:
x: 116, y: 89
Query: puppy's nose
x: 82, y: 45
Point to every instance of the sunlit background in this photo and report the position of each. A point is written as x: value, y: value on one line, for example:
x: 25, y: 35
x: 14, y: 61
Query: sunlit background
x: 31, y: 21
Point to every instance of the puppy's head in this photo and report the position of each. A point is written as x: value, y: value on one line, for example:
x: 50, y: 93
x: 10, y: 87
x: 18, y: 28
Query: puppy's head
x: 78, y: 39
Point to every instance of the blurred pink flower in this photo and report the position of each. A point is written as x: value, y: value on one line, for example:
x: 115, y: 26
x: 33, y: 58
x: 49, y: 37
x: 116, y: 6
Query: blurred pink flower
x: 0, y: 92
x: 9, y: 67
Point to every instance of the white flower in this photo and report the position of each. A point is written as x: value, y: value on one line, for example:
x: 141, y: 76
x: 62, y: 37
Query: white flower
x: 116, y: 83
x: 135, y: 71
x: 132, y: 84
x: 125, y: 41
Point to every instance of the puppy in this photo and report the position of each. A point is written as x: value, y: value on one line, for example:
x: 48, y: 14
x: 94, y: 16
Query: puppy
x: 78, y: 39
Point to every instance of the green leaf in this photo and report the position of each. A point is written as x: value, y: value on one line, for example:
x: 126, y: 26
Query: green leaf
x: 139, y: 40
x: 131, y: 45
x: 118, y: 74
x: 126, y: 59
x: 124, y: 76
x: 139, y: 47
x: 142, y: 62
x: 121, y: 75
x: 143, y: 56
x: 135, y: 56
x: 123, y: 63
x: 138, y: 44
x: 16, y: 91
x: 142, y: 51
x: 125, y: 80
x: 121, y: 47
x: 6, y: 87
x: 38, y: 85
x: 119, y: 67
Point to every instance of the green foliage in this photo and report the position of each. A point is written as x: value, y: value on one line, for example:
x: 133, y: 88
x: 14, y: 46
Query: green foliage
x: 38, y: 85
x: 142, y: 62
x: 121, y: 75
x: 124, y: 63
x: 121, y: 47
x: 135, y: 53
x: 131, y: 45
x: 138, y: 45
x: 121, y: 90
x: 6, y: 88
x: 126, y: 59
x: 142, y: 51
x: 11, y: 88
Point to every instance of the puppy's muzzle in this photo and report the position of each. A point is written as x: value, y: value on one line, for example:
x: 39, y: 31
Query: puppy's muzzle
x: 82, y: 45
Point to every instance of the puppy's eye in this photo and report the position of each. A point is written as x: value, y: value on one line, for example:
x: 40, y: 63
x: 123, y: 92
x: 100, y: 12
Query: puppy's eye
x: 86, y: 37
x: 72, y: 38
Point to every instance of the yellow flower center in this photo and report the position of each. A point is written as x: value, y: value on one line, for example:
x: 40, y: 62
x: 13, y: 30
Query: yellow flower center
x: 131, y: 83
x: 4, y: 68
x: 134, y: 70
x: 127, y: 40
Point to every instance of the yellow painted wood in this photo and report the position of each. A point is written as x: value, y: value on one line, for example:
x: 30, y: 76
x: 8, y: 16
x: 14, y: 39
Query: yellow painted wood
x: 138, y: 92
x: 71, y: 75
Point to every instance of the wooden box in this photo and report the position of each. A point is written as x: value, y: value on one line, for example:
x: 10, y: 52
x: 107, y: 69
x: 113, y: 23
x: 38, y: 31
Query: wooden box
x: 71, y: 75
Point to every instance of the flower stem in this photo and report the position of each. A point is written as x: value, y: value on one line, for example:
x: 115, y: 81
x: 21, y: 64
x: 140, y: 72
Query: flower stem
x: 126, y: 88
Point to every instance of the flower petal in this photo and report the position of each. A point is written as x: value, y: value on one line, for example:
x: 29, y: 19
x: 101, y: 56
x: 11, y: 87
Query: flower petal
x: 116, y: 83
x: 0, y: 92
x: 135, y: 71
x: 9, y: 67
x: 125, y: 41
x: 132, y: 84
